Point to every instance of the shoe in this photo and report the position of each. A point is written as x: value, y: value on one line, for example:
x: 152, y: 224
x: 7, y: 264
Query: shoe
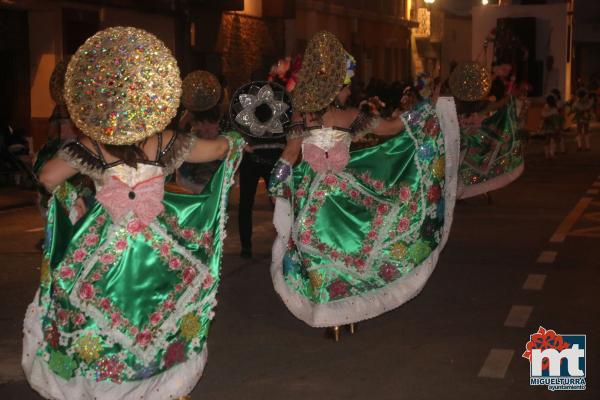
x: 333, y: 333
x: 246, y: 253
x: 351, y: 328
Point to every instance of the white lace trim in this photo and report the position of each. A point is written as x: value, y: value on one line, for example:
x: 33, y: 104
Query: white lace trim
x: 376, y: 302
x: 173, y: 383
x: 466, y: 191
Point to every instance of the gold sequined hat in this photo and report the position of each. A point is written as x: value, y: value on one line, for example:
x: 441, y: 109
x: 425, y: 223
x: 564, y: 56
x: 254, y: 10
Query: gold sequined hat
x: 322, y: 75
x: 470, y: 81
x: 57, y: 82
x: 122, y: 86
x: 201, y: 91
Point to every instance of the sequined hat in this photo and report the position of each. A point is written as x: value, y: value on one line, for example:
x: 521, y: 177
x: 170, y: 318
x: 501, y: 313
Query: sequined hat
x: 470, y: 81
x: 201, y: 91
x: 57, y: 82
x: 261, y: 109
x: 122, y: 86
x: 326, y: 68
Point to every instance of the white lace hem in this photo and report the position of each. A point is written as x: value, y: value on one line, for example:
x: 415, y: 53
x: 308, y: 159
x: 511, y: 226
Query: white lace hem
x: 466, y: 191
x: 176, y: 382
x: 376, y: 302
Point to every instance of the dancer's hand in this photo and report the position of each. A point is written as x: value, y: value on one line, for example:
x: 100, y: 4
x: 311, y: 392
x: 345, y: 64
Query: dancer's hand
x: 371, y: 105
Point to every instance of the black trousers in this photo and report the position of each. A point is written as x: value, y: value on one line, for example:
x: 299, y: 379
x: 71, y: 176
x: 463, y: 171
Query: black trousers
x: 252, y: 169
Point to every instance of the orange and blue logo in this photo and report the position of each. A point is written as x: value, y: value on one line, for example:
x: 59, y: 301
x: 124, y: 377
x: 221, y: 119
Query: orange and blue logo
x: 556, y: 361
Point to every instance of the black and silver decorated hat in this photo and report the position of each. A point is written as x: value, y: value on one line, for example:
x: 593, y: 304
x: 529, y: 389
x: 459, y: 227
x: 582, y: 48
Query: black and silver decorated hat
x: 261, y: 109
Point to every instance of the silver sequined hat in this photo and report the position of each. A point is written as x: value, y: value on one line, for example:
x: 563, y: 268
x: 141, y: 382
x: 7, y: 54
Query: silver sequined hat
x: 261, y: 109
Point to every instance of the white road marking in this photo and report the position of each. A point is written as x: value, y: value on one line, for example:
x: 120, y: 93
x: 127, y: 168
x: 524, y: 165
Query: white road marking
x: 547, y: 257
x: 565, y: 226
x: 534, y: 282
x: 496, y: 364
x: 518, y: 316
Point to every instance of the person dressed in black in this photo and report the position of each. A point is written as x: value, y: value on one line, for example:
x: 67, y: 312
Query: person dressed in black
x: 262, y: 152
x: 258, y: 162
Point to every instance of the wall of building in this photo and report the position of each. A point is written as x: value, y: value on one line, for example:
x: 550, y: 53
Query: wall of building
x: 46, y: 49
x: 379, y: 42
x: 456, y: 46
x: 163, y: 26
x: 245, y: 43
x: 551, y: 33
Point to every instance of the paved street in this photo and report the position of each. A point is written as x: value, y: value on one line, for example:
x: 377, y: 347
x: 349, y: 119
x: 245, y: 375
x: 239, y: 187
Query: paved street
x: 528, y: 259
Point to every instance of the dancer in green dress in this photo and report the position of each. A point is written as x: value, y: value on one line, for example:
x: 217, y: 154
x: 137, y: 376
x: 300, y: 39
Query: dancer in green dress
x: 358, y: 233
x: 127, y: 293
x: 491, y: 151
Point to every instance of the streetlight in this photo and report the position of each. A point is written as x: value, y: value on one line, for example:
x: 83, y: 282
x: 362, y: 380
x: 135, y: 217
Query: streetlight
x: 429, y: 1
x: 484, y: 2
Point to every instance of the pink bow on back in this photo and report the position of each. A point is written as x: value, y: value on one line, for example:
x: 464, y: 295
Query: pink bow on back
x: 335, y: 159
x: 144, y: 199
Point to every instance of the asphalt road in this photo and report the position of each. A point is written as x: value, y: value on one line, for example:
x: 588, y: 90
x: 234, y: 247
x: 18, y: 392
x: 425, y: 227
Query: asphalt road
x: 528, y: 259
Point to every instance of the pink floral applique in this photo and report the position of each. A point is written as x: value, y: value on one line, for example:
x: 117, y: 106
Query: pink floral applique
x: 107, y: 258
x: 86, y: 291
x: 165, y: 250
x: 403, y: 224
x: 188, y: 275
x: 434, y: 193
x: 66, y: 272
x: 383, y: 208
x: 305, y: 237
x: 110, y: 369
x: 115, y: 319
x: 79, y: 255
x: 121, y: 244
x: 91, y: 239
x: 337, y: 289
x: 207, y: 282
x: 404, y: 193
x: 387, y: 272
x: 175, y: 354
x: 62, y: 316
x: 174, y: 263
x: 169, y: 304
x: 135, y: 226
x: 156, y: 317
x: 143, y: 338
x: 79, y: 319
x: 105, y: 304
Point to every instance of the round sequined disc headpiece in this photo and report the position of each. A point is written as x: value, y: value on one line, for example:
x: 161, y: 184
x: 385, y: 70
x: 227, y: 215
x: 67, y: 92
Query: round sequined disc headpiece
x: 261, y: 109
x: 57, y: 82
x: 470, y: 82
x: 201, y: 91
x: 122, y: 86
x: 322, y: 75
